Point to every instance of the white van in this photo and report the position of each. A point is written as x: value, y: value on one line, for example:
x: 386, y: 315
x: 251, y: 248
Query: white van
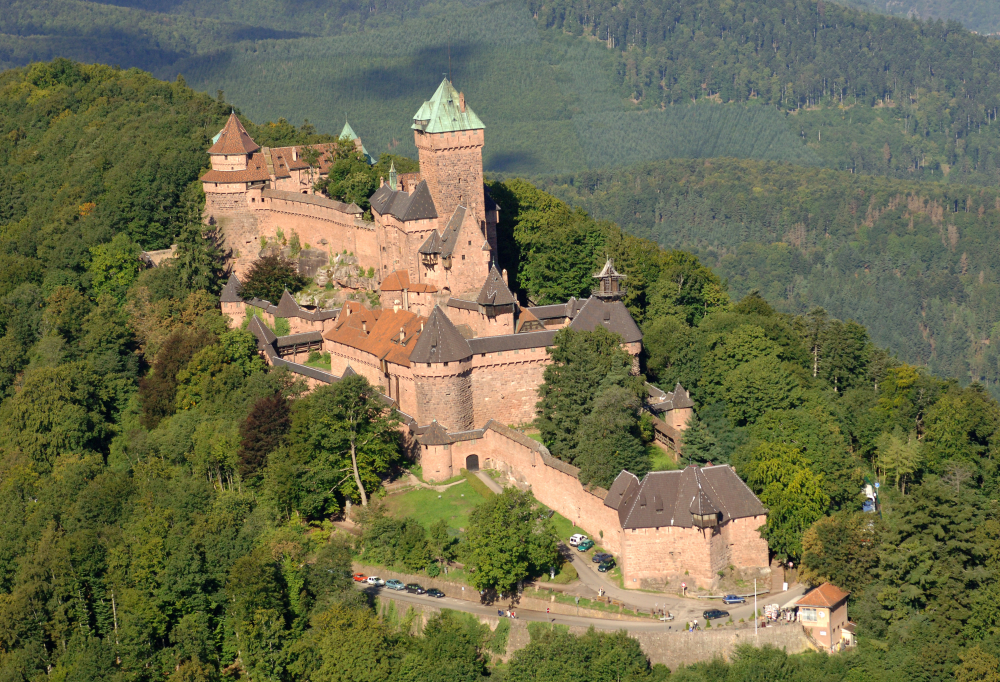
x: 376, y: 581
x: 576, y: 539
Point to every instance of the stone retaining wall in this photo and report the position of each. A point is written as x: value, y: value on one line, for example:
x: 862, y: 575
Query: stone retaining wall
x: 671, y: 648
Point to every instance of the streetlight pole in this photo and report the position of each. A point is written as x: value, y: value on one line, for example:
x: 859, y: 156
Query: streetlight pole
x: 755, y: 609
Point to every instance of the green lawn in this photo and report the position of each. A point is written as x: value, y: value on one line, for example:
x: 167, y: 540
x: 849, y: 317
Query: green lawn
x: 660, y: 460
x: 429, y: 506
x: 322, y: 362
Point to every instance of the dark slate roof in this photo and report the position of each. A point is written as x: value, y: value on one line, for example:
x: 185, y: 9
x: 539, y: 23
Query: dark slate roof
x: 462, y: 303
x: 231, y: 292
x: 551, y: 312
x: 435, y: 434
x: 299, y: 339
x: 405, y: 206
x: 506, y: 342
x: 449, y: 238
x: 669, y: 498
x: 265, y: 337
x: 440, y: 341
x: 612, y: 315
x: 287, y: 307
x: 621, y: 494
x: 495, y: 291
x: 432, y: 244
x: 664, y: 402
x: 267, y: 343
x: 287, y: 310
x: 314, y: 199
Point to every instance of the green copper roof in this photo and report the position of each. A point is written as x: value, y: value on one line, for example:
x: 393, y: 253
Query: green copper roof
x: 443, y: 113
x: 348, y: 132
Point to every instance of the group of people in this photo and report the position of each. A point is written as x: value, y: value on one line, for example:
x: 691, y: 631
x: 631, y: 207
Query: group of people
x: 506, y: 614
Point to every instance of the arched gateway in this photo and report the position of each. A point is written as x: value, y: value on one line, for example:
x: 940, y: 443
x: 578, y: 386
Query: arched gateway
x: 472, y: 462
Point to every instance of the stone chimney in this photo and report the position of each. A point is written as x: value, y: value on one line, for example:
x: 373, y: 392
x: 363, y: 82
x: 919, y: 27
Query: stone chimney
x: 364, y: 326
x: 504, y: 273
x: 461, y: 102
x: 402, y: 334
x: 395, y: 306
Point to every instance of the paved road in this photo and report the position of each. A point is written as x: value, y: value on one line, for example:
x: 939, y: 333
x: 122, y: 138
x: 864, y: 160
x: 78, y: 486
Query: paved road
x: 683, y: 609
x: 524, y: 614
x: 490, y: 483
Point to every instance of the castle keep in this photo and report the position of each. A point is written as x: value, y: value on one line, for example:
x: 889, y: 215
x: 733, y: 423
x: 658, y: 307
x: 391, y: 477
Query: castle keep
x: 455, y: 352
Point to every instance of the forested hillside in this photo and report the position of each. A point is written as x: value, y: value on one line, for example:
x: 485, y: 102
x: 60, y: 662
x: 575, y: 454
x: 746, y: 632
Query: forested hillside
x: 166, y: 498
x: 981, y: 16
x: 913, y: 262
x: 562, y: 86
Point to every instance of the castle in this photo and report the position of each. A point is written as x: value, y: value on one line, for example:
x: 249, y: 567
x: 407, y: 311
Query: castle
x: 455, y: 352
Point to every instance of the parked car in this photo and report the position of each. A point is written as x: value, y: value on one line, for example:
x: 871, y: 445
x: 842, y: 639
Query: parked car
x: 414, y: 588
x: 668, y: 617
x: 601, y: 557
x: 435, y: 592
x: 606, y: 566
x: 576, y: 539
x: 733, y: 599
x: 585, y: 545
x: 395, y: 585
x: 713, y: 614
x: 375, y: 581
x: 360, y: 577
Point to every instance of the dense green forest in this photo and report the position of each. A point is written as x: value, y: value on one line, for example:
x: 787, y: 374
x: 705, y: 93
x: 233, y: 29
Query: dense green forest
x: 167, y: 499
x: 807, y: 409
x: 913, y: 262
x: 980, y: 16
x: 563, y: 86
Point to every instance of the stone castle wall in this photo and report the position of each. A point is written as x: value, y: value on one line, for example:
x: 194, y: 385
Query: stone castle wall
x: 444, y: 394
x: 239, y: 226
x: 745, y: 546
x: 452, y: 165
x: 480, y: 323
x: 693, y: 555
x: 505, y: 386
x: 524, y: 464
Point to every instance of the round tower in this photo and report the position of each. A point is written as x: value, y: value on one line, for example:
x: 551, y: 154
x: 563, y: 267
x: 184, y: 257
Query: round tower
x: 441, y: 363
x: 444, y: 393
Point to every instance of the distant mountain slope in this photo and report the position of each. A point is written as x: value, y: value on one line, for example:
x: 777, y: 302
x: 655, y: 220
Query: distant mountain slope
x: 917, y: 263
x: 982, y: 16
x: 564, y: 86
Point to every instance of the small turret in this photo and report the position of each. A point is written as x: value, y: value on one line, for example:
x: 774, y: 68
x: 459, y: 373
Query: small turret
x: 610, y: 287
x: 392, y: 176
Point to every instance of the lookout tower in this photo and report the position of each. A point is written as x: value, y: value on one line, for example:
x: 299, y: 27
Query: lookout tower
x: 610, y: 287
x: 449, y: 139
x: 233, y: 147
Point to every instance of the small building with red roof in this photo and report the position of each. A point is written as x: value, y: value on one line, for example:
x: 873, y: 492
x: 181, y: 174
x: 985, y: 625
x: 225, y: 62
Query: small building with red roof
x: 823, y: 613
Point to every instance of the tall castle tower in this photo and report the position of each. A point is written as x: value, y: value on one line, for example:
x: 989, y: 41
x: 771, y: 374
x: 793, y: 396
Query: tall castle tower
x: 449, y: 139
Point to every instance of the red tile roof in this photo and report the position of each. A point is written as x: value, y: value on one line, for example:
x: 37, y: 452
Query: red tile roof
x: 400, y: 279
x: 824, y: 596
x: 377, y: 332
x: 234, y: 139
x: 256, y: 170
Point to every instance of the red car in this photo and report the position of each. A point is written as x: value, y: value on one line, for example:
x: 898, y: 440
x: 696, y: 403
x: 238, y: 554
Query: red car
x: 360, y: 577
